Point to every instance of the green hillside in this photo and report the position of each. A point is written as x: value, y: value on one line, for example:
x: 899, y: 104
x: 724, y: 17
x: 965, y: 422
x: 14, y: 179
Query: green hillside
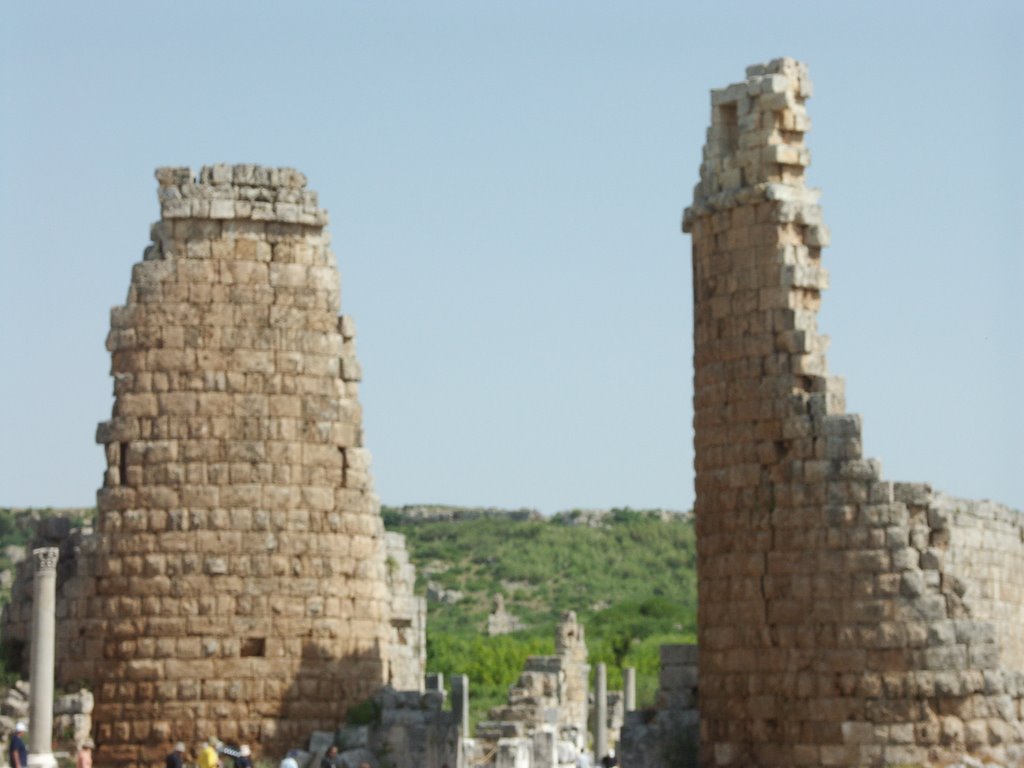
x: 629, y: 575
x: 630, y: 579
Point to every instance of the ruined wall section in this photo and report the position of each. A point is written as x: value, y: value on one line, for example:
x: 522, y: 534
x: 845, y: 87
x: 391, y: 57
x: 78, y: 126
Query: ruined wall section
x: 407, y: 644
x: 240, y: 582
x: 551, y: 693
x: 667, y: 733
x: 979, y: 542
x: 839, y: 621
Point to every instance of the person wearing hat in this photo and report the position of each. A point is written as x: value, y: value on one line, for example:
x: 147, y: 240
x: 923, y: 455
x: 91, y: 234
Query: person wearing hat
x: 17, y: 752
x: 177, y: 757
x: 84, y: 757
x: 244, y: 759
x: 208, y: 757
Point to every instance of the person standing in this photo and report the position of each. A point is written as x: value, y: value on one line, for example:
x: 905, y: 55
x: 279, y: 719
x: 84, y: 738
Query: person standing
x: 177, y: 757
x: 208, y: 757
x: 83, y: 759
x: 17, y: 752
x: 330, y: 758
x: 244, y: 759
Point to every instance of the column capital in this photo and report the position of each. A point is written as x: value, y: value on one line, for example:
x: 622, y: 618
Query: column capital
x: 46, y: 558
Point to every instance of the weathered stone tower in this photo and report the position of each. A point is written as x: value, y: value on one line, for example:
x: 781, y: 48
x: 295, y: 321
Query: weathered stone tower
x: 240, y: 585
x: 844, y: 620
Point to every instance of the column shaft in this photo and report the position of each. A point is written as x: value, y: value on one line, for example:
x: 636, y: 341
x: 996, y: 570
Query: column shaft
x: 629, y: 688
x: 44, y: 602
x: 601, y: 712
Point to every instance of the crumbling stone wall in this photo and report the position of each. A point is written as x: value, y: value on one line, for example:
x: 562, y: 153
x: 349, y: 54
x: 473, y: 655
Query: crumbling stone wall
x: 500, y: 621
x: 666, y: 734
x: 407, y: 646
x: 981, y: 543
x: 239, y: 583
x: 547, y: 706
x: 844, y: 619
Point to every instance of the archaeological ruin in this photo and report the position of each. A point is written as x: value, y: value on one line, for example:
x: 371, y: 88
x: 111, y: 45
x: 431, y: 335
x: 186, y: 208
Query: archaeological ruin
x: 544, y: 722
x: 239, y: 583
x: 844, y: 619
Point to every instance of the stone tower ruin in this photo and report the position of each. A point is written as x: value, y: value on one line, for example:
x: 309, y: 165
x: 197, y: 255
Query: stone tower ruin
x: 844, y: 619
x: 239, y: 583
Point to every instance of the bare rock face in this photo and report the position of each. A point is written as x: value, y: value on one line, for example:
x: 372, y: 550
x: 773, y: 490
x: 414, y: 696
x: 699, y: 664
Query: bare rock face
x: 844, y: 619
x: 237, y: 582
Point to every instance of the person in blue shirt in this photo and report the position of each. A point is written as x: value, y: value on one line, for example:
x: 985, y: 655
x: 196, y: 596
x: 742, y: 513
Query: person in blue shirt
x: 244, y: 759
x: 177, y: 758
x: 17, y: 753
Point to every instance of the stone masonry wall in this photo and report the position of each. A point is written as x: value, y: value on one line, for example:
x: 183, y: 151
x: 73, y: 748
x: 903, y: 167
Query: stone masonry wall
x: 666, y: 734
x: 407, y: 646
x: 981, y: 544
x: 844, y: 619
x: 240, y: 585
x: 549, y: 701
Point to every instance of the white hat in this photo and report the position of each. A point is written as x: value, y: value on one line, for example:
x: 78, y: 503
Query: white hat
x: 19, y: 726
x: 244, y: 750
x: 179, y: 746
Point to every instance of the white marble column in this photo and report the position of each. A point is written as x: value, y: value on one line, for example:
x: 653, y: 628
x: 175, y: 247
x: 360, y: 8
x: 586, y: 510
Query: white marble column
x: 629, y: 689
x: 40, y: 704
x: 460, y: 703
x: 601, y: 712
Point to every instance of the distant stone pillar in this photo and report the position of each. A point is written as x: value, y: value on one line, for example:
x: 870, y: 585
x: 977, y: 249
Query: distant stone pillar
x: 629, y: 688
x: 44, y: 604
x: 460, y: 703
x: 601, y: 711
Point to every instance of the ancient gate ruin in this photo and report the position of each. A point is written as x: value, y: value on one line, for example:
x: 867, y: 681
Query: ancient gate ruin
x: 844, y: 619
x: 240, y: 583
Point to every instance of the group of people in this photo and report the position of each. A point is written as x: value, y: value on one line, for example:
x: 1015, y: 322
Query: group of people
x: 209, y: 755
x: 17, y: 752
x: 210, y: 752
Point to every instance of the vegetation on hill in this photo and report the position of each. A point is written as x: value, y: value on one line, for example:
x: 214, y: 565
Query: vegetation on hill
x: 629, y: 575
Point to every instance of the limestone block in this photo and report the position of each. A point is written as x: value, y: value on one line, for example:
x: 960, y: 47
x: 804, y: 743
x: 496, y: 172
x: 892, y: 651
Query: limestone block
x: 168, y: 176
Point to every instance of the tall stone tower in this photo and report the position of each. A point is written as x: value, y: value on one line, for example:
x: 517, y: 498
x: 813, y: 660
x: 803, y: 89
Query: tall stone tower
x: 843, y: 619
x: 240, y: 584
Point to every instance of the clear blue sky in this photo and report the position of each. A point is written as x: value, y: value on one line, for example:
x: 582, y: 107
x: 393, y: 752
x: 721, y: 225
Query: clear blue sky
x: 505, y: 182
